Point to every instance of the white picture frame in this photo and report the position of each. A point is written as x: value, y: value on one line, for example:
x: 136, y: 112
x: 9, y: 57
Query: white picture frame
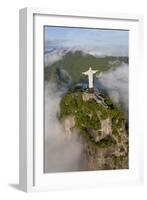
x: 31, y: 175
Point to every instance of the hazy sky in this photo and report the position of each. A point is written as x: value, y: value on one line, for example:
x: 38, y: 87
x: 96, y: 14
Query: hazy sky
x: 100, y: 41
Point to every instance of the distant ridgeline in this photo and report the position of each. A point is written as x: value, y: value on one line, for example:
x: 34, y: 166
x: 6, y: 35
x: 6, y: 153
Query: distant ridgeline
x: 69, y: 69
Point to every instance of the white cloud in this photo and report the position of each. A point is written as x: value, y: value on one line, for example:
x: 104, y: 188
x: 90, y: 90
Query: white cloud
x: 116, y: 83
x: 61, y: 153
x: 57, y: 54
x: 53, y: 57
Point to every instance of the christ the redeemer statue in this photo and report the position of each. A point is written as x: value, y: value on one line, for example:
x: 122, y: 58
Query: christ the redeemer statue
x: 90, y: 73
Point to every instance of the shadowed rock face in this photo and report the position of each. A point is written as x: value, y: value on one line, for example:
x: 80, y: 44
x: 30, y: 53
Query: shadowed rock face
x: 101, y: 130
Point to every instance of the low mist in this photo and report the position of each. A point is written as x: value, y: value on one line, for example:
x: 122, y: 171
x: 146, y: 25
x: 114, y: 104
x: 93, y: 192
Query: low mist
x: 115, y: 82
x: 62, y: 153
x: 57, y: 54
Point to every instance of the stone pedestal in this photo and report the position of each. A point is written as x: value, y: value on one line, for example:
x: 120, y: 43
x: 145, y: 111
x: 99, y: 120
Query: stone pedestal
x: 90, y: 90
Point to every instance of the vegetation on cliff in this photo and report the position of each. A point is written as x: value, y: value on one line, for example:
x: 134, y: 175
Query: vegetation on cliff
x: 72, y: 64
x: 89, y: 114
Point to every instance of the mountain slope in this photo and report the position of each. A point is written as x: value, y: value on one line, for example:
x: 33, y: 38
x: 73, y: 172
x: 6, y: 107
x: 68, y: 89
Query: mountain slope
x: 102, y: 129
x: 71, y: 66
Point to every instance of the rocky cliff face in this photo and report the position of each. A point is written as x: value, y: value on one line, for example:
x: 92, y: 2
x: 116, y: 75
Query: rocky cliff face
x: 101, y: 127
